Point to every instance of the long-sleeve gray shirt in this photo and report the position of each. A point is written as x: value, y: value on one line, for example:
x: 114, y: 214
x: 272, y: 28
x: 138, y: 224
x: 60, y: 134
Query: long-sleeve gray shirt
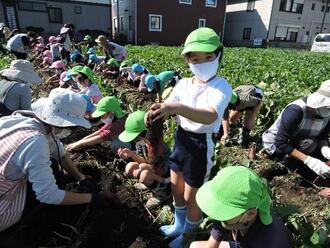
x: 19, y: 97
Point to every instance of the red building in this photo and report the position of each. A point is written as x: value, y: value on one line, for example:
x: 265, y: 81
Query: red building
x: 165, y: 22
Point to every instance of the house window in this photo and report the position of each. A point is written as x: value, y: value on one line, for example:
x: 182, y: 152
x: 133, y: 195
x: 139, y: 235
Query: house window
x: 55, y: 15
x: 155, y: 23
x: 286, y: 33
x: 115, y: 24
x: 77, y: 9
x: 201, y: 23
x: 313, y: 6
x: 185, y: 1
x: 292, y: 34
x: 294, y: 6
x: 32, y: 6
x: 122, y: 23
x: 246, y: 33
x: 250, y: 5
x: 211, y: 3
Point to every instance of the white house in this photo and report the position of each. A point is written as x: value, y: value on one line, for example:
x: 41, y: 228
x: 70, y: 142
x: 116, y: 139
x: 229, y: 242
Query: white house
x: 284, y: 23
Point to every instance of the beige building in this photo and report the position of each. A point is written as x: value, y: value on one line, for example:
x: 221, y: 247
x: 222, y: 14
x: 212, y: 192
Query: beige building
x: 284, y: 23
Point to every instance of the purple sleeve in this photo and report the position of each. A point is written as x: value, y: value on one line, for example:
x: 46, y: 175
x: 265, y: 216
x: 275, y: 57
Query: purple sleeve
x: 217, y: 231
x: 290, y: 120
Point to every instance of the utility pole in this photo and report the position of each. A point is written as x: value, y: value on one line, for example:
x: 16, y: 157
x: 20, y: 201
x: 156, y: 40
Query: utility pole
x: 325, y: 12
x: 118, y: 22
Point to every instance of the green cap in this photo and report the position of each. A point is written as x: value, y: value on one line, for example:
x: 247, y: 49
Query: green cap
x: 232, y: 192
x: 202, y: 40
x: 126, y: 63
x: 83, y: 70
x: 87, y: 38
x: 234, y: 98
x: 108, y: 104
x: 113, y: 61
x: 134, y: 125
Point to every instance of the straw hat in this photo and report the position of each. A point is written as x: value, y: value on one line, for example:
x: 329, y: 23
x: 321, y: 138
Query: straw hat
x: 101, y: 40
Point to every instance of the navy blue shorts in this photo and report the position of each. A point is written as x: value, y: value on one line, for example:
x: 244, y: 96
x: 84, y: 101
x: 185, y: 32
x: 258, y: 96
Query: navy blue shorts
x: 189, y: 156
x: 233, y: 244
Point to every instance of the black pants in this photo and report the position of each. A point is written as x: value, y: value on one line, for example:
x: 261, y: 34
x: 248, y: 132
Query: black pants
x: 19, y: 55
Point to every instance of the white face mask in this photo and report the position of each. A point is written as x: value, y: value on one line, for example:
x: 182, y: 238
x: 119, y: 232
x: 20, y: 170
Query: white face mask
x: 107, y: 121
x: 324, y: 112
x: 205, y: 71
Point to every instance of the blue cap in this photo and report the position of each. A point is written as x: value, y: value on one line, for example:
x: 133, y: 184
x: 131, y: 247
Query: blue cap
x: 68, y: 76
x: 91, y: 50
x: 92, y: 58
x: 137, y: 68
x: 90, y: 106
x: 74, y: 55
x: 150, y: 79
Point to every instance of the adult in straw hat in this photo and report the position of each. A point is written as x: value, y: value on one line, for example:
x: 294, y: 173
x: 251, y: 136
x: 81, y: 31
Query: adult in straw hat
x: 27, y: 141
x: 239, y: 202
x: 299, y: 136
x: 111, y: 49
x: 15, y: 91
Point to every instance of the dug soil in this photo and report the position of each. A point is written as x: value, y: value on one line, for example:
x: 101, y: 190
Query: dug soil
x: 133, y: 225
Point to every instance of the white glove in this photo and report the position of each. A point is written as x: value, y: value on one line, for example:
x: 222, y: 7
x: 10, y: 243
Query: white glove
x: 319, y: 167
x: 325, y: 150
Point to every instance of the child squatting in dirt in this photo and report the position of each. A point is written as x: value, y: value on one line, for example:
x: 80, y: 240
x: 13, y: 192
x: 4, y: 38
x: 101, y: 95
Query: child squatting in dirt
x: 150, y: 157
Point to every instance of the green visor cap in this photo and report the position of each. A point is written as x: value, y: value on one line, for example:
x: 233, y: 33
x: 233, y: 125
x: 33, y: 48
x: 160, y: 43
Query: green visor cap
x: 83, y: 70
x: 108, y: 104
x: 113, y: 61
x: 87, y: 38
x: 232, y: 192
x: 134, y: 125
x: 202, y: 40
x: 234, y: 97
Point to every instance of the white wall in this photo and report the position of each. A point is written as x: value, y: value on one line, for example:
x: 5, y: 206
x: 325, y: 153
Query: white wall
x: 308, y: 21
x: 126, y: 9
x: 237, y: 18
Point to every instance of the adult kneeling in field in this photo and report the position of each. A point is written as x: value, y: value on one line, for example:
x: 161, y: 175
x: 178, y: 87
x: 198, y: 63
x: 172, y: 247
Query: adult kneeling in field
x: 15, y: 91
x: 239, y: 202
x: 26, y: 139
x: 112, y: 50
x: 113, y: 117
x: 299, y: 136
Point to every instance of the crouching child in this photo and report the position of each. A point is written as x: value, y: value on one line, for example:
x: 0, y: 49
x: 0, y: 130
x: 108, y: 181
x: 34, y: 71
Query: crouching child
x: 149, y: 160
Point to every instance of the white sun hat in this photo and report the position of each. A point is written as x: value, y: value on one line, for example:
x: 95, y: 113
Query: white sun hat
x: 62, y: 108
x: 23, y: 71
x: 321, y: 98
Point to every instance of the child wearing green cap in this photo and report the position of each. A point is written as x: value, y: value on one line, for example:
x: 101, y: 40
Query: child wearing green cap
x: 113, y: 117
x: 199, y: 103
x: 126, y: 72
x: 112, y: 69
x: 153, y: 175
x: 239, y: 202
x: 246, y: 99
x: 84, y: 76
